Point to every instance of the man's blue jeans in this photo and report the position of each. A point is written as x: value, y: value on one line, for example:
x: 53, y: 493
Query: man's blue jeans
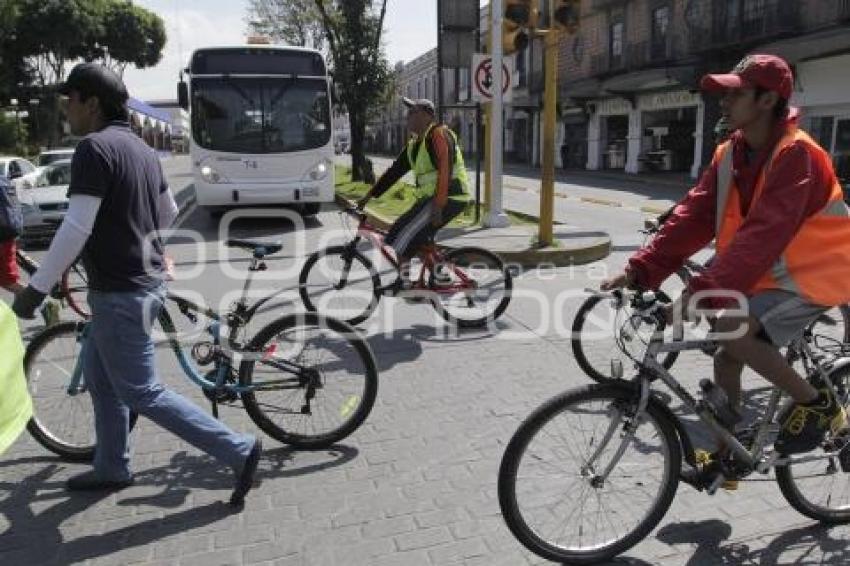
x: 120, y: 371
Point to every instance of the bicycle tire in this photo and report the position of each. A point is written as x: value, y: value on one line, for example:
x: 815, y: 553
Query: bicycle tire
x: 50, y: 439
x: 787, y: 480
x: 342, y: 252
x: 525, y: 434
x: 353, y: 419
x: 74, y: 291
x: 453, y: 257
x: 596, y: 373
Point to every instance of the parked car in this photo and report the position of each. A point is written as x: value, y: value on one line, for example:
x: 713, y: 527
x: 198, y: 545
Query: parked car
x: 52, y: 155
x: 45, y: 203
x: 15, y: 168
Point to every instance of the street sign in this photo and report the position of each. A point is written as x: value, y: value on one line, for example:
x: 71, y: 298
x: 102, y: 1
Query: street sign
x: 457, y: 49
x: 484, y: 81
x: 460, y: 14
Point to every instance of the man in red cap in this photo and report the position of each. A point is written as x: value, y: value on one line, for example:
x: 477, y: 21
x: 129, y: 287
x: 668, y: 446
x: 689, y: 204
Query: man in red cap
x: 771, y: 200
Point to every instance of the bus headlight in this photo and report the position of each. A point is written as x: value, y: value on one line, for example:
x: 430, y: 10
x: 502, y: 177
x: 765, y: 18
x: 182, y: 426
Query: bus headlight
x: 319, y: 171
x: 210, y: 175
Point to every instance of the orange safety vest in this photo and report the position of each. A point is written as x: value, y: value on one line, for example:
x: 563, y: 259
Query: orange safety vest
x: 816, y: 263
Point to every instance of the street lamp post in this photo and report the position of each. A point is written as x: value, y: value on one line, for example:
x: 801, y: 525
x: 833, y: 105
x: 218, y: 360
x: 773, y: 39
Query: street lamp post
x: 35, y: 102
x: 14, y: 103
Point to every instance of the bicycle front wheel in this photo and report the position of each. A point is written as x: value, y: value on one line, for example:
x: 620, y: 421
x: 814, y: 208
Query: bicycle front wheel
x: 553, y: 492
x: 479, y: 291
x: 820, y: 489
x: 63, y: 414
x: 63, y: 417
x: 75, y: 289
x: 341, y: 283
x: 597, y: 326
x: 314, y: 380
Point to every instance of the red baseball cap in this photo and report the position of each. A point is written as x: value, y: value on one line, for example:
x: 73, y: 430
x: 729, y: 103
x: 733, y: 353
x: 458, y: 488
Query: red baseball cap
x: 766, y: 71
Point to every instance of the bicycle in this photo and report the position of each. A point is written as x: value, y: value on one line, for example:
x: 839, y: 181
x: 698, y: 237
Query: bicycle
x: 318, y: 401
x: 600, y: 315
x: 477, y: 291
x: 608, y: 485
x: 71, y: 290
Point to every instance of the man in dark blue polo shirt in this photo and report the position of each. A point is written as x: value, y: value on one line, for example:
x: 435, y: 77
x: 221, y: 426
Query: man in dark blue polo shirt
x: 118, y: 203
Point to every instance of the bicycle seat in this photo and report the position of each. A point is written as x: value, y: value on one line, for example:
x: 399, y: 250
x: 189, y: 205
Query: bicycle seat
x: 258, y: 248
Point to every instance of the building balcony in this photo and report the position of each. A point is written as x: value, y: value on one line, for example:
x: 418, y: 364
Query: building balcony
x: 599, y: 5
x: 717, y: 25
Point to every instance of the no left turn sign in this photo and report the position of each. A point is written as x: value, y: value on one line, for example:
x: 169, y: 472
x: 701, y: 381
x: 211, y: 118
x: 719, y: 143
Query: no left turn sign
x: 484, y: 80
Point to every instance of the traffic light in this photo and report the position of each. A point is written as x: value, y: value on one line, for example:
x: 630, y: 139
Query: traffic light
x: 567, y: 13
x: 520, y: 16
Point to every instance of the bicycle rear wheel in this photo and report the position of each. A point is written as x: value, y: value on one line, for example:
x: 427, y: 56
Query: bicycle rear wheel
x: 551, y: 492
x: 341, y: 283
x: 820, y: 489
x: 315, y: 380
x: 480, y: 287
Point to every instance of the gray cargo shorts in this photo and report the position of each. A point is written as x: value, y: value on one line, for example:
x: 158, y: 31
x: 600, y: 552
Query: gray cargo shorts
x: 783, y: 315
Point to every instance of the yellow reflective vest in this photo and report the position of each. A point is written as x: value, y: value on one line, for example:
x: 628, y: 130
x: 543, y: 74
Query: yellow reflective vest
x: 15, y: 402
x: 426, y: 173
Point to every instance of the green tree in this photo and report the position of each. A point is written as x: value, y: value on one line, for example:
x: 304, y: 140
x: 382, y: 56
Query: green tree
x: 13, y: 70
x: 291, y: 22
x: 352, y: 32
x: 353, y: 29
x: 129, y: 34
x: 53, y: 32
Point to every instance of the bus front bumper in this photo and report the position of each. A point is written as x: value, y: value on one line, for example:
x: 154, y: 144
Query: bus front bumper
x: 246, y: 194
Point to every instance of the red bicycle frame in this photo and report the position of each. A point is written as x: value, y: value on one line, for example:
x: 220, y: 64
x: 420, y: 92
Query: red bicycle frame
x: 429, y: 254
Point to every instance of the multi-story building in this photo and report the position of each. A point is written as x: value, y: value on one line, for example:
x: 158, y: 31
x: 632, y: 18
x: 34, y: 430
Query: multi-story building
x: 629, y: 78
x: 628, y: 82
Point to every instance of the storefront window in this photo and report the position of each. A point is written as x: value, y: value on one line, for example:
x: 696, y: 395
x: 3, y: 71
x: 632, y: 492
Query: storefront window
x: 660, y: 27
x: 841, y: 152
x: 616, y: 47
x: 820, y: 128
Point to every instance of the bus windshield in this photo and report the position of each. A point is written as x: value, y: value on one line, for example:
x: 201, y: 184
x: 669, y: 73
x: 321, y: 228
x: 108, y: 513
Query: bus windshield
x: 260, y: 115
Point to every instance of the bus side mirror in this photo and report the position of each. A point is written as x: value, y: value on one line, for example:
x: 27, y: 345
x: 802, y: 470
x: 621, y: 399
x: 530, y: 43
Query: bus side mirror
x: 183, y: 95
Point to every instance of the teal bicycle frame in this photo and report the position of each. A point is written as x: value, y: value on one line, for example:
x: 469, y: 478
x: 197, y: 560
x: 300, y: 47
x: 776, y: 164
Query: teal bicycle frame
x: 225, y: 355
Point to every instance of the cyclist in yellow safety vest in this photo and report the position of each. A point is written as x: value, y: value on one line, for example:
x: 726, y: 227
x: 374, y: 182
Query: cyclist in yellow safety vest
x: 442, y: 188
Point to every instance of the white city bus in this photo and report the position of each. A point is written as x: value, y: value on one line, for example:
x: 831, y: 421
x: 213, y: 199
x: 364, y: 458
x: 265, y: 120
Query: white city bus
x: 260, y: 126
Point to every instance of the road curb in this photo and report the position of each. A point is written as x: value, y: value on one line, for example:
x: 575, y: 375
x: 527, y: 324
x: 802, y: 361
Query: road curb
x: 603, y: 201
x: 528, y: 258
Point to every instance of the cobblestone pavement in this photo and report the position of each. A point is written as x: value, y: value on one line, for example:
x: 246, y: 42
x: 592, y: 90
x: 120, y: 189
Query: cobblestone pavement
x: 415, y: 485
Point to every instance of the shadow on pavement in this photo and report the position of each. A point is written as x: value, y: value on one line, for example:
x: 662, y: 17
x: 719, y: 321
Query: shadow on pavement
x: 34, y: 535
x: 405, y: 345
x: 816, y: 543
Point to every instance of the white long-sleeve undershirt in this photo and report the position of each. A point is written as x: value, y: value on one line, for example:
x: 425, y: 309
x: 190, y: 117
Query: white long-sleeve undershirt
x: 75, y: 230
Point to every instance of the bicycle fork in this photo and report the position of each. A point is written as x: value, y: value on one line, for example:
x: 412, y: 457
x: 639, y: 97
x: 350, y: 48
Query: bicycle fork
x: 597, y: 480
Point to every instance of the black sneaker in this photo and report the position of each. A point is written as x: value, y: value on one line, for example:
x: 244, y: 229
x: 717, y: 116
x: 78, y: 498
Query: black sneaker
x: 245, y: 479
x: 805, y: 424
x: 89, y: 481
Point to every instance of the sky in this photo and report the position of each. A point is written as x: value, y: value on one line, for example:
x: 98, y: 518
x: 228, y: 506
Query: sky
x: 410, y: 30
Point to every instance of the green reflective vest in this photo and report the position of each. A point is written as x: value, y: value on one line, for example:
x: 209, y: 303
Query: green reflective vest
x: 426, y: 173
x: 15, y: 402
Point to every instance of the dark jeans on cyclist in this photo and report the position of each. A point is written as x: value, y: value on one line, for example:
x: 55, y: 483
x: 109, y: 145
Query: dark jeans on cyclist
x: 414, y: 228
x: 120, y: 371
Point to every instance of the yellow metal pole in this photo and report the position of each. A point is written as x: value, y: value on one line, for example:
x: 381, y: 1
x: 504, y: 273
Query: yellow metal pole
x: 547, y: 186
x: 488, y: 109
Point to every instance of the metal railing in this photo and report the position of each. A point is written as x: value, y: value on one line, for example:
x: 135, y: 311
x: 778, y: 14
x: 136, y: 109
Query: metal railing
x: 718, y: 24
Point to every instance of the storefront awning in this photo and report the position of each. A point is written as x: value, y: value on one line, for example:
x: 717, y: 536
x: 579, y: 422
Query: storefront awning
x: 651, y: 79
x: 581, y: 89
x: 811, y: 46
